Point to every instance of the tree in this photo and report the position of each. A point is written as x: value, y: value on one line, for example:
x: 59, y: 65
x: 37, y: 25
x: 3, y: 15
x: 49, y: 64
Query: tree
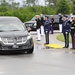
x: 73, y: 7
x: 24, y: 3
x: 63, y: 7
x: 15, y: 5
x: 3, y: 9
x: 51, y: 2
x: 3, y: 3
x: 10, y: 1
x: 30, y: 2
x: 37, y: 2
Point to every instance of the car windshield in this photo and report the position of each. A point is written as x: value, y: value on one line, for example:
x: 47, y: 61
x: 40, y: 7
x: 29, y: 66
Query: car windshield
x: 33, y: 19
x: 11, y: 26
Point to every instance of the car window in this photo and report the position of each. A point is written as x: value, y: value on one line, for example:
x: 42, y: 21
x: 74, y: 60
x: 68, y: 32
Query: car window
x: 33, y: 19
x: 11, y: 27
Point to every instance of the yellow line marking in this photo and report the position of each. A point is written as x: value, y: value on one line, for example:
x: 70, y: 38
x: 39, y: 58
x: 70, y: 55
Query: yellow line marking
x: 54, y: 45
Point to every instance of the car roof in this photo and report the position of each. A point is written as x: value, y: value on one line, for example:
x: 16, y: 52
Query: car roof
x: 9, y: 19
x: 56, y: 17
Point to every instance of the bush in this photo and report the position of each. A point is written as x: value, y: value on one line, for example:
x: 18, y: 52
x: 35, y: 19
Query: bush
x: 73, y: 7
x: 63, y: 7
x: 25, y: 14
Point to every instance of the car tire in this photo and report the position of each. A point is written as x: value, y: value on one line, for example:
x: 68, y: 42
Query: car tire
x: 30, y: 50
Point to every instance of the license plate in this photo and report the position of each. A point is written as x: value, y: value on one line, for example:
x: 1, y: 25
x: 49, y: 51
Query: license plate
x: 15, y: 46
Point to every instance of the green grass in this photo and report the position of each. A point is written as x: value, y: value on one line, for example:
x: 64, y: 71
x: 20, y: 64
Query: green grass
x: 61, y: 38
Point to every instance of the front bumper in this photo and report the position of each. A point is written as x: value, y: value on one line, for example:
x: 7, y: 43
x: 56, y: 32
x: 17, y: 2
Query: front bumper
x: 26, y: 46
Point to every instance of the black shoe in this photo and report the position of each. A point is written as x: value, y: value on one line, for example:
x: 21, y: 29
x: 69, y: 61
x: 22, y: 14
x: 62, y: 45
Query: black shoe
x: 72, y: 48
x: 42, y: 35
x: 38, y: 40
x: 65, y: 47
x: 45, y: 43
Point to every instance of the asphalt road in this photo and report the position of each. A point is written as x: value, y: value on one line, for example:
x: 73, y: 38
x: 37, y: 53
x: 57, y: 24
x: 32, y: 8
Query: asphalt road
x: 42, y: 62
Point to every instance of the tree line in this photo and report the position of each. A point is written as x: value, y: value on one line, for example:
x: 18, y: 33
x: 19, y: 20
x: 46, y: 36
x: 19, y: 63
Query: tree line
x: 30, y: 8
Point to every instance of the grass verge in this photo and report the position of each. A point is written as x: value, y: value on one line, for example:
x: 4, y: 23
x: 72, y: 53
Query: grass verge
x: 61, y: 38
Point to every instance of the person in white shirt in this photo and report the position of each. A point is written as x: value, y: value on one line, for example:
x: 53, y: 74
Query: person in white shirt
x: 38, y: 24
x: 42, y: 24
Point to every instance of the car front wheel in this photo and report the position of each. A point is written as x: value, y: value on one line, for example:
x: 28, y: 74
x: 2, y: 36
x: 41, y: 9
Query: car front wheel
x: 30, y: 50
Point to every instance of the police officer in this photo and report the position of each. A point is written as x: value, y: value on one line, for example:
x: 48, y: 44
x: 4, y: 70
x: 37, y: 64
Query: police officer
x: 51, y: 26
x: 38, y: 23
x: 47, y: 29
x: 65, y: 31
x: 73, y: 32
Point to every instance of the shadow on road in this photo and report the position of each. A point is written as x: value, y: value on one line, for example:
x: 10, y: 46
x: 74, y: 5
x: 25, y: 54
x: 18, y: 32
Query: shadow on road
x: 12, y: 53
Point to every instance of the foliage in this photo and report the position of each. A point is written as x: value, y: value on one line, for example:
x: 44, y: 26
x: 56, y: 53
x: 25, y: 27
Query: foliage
x: 30, y: 9
x: 3, y: 9
x: 29, y: 2
x: 73, y: 7
x: 25, y: 14
x: 52, y: 1
x: 63, y: 7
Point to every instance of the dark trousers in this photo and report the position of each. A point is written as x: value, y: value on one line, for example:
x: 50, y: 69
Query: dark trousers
x: 51, y: 28
x: 73, y: 41
x: 47, y: 37
x: 66, y: 37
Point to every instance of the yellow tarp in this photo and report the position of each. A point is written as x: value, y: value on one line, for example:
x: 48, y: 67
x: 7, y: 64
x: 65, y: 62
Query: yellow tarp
x: 54, y: 46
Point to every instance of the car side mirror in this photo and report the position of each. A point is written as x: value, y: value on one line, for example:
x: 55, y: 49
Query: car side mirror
x: 28, y: 29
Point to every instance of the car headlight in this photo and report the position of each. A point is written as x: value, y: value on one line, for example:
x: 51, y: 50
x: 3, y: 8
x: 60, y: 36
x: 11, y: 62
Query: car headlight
x: 0, y: 39
x: 29, y: 37
x: 34, y: 24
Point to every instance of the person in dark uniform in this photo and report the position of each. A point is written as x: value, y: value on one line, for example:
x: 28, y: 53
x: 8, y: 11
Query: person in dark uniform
x: 60, y: 22
x: 47, y: 29
x: 38, y: 24
x: 51, y: 26
x: 73, y: 32
x: 65, y: 31
x: 42, y: 24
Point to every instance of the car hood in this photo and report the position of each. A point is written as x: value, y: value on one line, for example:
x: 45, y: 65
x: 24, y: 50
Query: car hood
x: 14, y: 34
x: 31, y: 22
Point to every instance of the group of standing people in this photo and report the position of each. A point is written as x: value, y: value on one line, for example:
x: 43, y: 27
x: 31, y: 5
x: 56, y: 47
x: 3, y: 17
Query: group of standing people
x: 43, y: 26
x: 67, y: 26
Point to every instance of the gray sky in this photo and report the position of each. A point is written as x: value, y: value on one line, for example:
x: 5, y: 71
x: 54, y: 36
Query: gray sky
x: 41, y: 2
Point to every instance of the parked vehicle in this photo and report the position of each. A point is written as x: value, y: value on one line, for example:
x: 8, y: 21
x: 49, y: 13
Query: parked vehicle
x: 56, y: 22
x: 14, y: 36
x: 32, y: 22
